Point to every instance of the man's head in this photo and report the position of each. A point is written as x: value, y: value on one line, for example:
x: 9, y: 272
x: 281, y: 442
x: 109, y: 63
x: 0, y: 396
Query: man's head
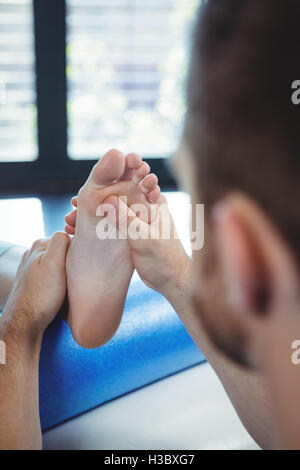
x: 243, y: 136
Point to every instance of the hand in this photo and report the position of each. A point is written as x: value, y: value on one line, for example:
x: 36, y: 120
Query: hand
x: 162, y: 263
x: 40, y: 286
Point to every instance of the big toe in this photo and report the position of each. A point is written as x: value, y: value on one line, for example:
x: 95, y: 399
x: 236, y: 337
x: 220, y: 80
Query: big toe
x: 110, y: 168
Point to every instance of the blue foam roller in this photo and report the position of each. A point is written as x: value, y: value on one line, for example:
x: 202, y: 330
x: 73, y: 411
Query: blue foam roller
x: 150, y: 344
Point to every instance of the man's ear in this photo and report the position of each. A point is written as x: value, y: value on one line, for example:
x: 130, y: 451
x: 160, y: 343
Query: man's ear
x: 258, y: 266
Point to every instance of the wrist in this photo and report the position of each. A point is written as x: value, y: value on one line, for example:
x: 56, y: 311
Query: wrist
x: 18, y: 334
x: 178, y: 284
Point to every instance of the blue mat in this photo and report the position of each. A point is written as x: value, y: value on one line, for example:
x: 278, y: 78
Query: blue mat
x: 150, y: 344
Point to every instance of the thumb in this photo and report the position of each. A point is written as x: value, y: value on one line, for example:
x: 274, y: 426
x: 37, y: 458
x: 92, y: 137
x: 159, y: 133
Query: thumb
x: 58, y: 248
x: 126, y: 221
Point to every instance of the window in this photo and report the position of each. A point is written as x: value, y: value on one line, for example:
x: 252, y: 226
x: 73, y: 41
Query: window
x: 78, y: 77
x: 126, y: 64
x: 17, y: 82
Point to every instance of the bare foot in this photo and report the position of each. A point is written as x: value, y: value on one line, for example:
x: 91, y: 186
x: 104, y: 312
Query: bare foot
x: 99, y: 271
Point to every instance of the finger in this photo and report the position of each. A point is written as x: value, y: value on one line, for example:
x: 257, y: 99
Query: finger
x: 126, y: 220
x: 71, y: 218
x: 58, y: 248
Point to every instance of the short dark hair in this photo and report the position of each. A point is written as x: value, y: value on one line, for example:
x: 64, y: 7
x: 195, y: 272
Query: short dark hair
x: 241, y: 126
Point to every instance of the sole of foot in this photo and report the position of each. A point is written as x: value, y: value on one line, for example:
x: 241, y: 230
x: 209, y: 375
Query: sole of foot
x: 99, y: 270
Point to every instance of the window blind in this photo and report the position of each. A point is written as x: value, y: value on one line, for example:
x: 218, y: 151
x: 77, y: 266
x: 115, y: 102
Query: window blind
x: 127, y: 61
x: 17, y: 82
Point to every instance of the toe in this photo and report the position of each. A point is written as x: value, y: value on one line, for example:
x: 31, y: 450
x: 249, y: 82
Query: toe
x: 110, y: 168
x: 140, y: 173
x: 132, y: 161
x: 70, y: 230
x: 154, y: 195
x: 149, y: 183
x: 71, y: 218
x: 74, y: 201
